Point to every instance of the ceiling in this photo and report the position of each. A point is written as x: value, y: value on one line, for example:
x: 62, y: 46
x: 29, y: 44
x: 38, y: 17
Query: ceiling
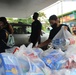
x: 22, y: 8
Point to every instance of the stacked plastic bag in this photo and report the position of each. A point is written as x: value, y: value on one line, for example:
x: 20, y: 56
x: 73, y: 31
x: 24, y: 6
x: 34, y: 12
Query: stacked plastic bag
x: 58, y: 60
x: 23, y: 61
x: 35, y: 61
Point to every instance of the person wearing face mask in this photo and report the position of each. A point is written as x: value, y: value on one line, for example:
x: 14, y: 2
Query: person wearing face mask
x: 56, y: 26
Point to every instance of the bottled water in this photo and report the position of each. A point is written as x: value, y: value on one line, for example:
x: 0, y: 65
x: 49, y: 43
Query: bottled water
x: 61, y: 43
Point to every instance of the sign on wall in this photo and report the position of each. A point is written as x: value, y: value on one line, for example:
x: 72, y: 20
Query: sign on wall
x: 67, y: 18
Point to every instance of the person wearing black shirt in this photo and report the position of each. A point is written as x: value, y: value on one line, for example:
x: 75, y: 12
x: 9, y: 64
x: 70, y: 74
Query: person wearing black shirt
x: 5, y: 29
x: 36, y: 30
x: 7, y: 26
x: 55, y: 24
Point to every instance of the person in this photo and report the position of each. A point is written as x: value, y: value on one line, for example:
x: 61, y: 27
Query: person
x: 5, y: 29
x: 56, y: 26
x: 36, y: 30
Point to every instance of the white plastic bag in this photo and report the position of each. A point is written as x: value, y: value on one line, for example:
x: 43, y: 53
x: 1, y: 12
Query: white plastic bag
x: 9, y: 63
x: 48, y: 51
x: 63, y: 39
x: 11, y: 50
x: 64, y: 72
x: 63, y: 33
x: 54, y: 59
x: 27, y: 66
x: 2, y: 70
x: 33, y: 57
x: 11, y: 41
x: 24, y: 64
x: 71, y: 50
x: 61, y: 72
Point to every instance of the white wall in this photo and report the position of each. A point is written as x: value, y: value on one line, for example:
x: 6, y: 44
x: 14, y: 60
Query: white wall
x: 59, y: 8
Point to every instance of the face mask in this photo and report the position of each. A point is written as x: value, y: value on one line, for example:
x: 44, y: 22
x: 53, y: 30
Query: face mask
x: 54, y: 25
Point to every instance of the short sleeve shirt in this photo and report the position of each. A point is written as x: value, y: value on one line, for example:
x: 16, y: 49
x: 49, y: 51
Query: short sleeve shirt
x: 36, y: 28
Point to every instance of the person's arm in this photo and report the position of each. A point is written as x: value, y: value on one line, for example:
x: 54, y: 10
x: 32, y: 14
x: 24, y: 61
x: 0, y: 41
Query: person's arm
x: 44, y: 43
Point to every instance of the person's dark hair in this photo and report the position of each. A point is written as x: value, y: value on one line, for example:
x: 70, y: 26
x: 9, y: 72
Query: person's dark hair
x: 35, y: 15
x: 4, y: 20
x: 53, y: 17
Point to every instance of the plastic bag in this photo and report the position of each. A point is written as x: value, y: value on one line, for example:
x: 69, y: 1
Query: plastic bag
x: 63, y: 39
x: 61, y: 72
x: 9, y: 64
x: 24, y: 65
x: 48, y: 51
x: 73, y: 71
x: 34, y: 70
x: 71, y: 61
x: 28, y: 67
x: 12, y: 50
x: 33, y: 57
x: 19, y: 51
x: 54, y: 59
x: 11, y: 41
x: 2, y: 70
x: 71, y: 50
x: 38, y: 51
x: 64, y: 72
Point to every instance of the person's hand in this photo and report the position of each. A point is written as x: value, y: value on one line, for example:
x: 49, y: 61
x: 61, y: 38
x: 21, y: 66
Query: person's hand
x: 72, y: 41
x: 35, y: 47
x: 65, y: 27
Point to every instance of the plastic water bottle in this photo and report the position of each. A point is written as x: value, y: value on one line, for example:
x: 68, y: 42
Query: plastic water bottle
x: 61, y: 43
x: 65, y: 42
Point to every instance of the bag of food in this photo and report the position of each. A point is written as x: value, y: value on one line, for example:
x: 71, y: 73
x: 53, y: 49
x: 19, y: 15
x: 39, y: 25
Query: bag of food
x: 34, y: 60
x: 9, y: 64
x: 63, y: 39
x: 54, y: 59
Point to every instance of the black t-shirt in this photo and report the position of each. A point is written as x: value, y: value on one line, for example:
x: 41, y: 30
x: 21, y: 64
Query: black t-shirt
x: 36, y: 28
x: 54, y: 31
x: 3, y: 38
x: 3, y: 35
